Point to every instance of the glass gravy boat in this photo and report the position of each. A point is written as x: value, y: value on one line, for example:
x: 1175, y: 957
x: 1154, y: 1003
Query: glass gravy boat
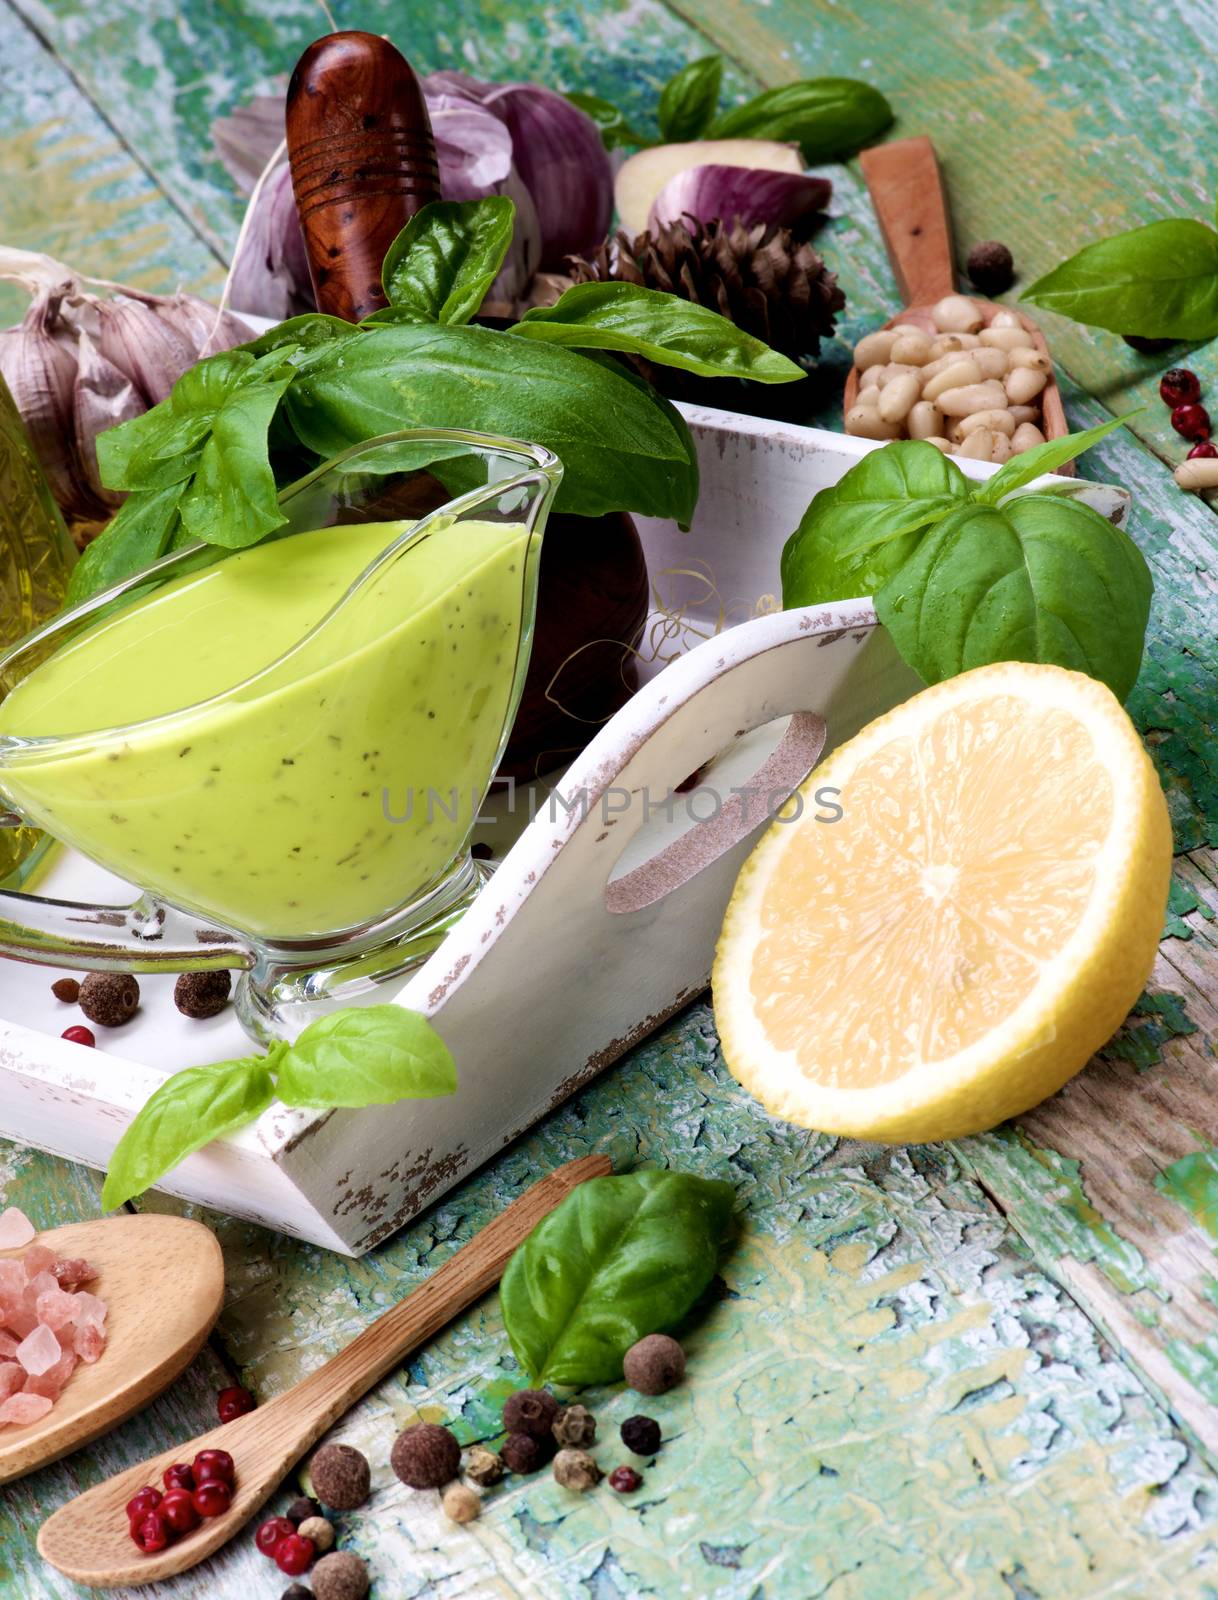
x: 300, y: 733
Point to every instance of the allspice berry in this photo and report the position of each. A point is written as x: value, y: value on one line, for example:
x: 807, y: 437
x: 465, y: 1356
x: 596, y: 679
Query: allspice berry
x: 461, y: 1503
x: 522, y: 1452
x: 109, y: 998
x: 575, y: 1469
x: 67, y: 990
x: 530, y: 1411
x: 202, y: 994
x: 340, y: 1476
x: 574, y: 1427
x: 654, y: 1364
x: 425, y: 1456
x: 320, y: 1531
x: 340, y: 1576
x: 484, y: 1467
x: 990, y: 266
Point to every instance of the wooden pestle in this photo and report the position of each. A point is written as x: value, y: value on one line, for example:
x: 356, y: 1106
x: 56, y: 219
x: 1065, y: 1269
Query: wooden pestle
x: 363, y: 162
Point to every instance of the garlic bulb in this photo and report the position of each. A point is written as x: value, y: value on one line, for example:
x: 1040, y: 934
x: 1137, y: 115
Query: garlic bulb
x: 80, y: 362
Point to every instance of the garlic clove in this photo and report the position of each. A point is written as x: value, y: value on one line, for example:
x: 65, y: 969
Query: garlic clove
x: 40, y: 373
x: 147, y: 350
x: 103, y: 397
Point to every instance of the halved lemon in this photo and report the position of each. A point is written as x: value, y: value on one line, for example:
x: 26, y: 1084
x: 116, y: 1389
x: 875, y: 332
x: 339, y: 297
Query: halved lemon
x: 978, y: 922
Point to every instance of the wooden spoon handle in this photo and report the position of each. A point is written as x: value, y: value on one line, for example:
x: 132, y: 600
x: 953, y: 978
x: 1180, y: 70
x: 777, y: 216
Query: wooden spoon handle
x: 363, y: 162
x: 906, y: 189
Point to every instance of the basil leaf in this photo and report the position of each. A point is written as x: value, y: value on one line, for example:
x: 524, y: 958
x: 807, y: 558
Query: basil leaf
x: 623, y: 447
x: 659, y: 327
x: 1039, y: 579
x: 142, y: 529
x: 830, y: 118
x: 1047, y: 457
x: 688, y: 99
x: 311, y: 331
x: 366, y: 1056
x: 188, y: 1111
x: 440, y: 266
x: 614, y: 128
x: 619, y: 1258
x: 233, y: 500
x: 861, y: 530
x: 1156, y: 282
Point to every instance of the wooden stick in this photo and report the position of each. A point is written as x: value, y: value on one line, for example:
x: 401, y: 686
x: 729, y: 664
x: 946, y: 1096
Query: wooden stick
x: 87, y: 1539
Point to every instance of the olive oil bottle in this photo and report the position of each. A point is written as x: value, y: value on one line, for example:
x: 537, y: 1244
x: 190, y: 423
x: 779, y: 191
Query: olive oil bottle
x: 36, y: 556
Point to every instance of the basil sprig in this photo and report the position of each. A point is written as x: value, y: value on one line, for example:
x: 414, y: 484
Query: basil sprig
x: 620, y: 1258
x: 964, y: 575
x: 829, y: 118
x: 1155, y: 282
x: 207, y: 463
x: 370, y: 1056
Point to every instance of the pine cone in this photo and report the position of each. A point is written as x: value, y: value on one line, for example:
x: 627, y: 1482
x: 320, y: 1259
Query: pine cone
x: 764, y: 279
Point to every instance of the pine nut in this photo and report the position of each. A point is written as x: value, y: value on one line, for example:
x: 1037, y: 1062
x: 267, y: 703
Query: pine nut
x: 873, y: 350
x: 970, y: 397
x: 1002, y: 449
x: 996, y: 421
x: 990, y: 363
x: 940, y: 444
x: 896, y: 369
x: 900, y: 329
x: 1028, y: 357
x: 925, y: 420
x: 870, y: 379
x: 897, y: 397
x: 1023, y: 384
x: 978, y: 446
x: 955, y: 313
x: 1006, y: 319
x: 1005, y: 338
x: 946, y: 344
x: 1200, y: 473
x: 952, y: 377
x: 1024, y: 414
x: 1026, y: 435
x: 913, y: 348
x: 865, y: 422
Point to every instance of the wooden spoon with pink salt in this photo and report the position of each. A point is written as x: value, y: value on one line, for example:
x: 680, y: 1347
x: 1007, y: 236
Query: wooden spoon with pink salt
x: 96, y: 1319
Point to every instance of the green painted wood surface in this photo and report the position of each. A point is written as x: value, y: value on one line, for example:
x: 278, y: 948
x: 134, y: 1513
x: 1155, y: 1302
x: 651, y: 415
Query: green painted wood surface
x: 990, y: 1370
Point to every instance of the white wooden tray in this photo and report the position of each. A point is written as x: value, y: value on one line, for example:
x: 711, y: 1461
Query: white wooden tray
x: 601, y: 919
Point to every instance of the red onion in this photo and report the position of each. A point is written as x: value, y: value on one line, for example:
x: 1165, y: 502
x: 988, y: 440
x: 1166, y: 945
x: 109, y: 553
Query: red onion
x: 746, y: 194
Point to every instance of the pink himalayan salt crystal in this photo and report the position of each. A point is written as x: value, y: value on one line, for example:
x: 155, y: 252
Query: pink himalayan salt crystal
x: 12, y: 1378
x: 89, y: 1309
x: 22, y: 1408
x: 55, y: 1309
x: 38, y: 1258
x: 72, y: 1272
x: 21, y: 1322
x: 51, y: 1382
x: 8, y: 1346
x: 16, y: 1229
x: 12, y: 1281
x: 90, y: 1341
x: 39, y: 1352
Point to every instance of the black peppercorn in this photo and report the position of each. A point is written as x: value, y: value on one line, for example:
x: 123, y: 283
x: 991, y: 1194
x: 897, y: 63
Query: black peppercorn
x: 297, y: 1592
x: 523, y: 1453
x: 202, y: 994
x: 530, y: 1411
x: 1147, y: 347
x: 990, y: 266
x: 641, y: 1435
x: 302, y: 1509
x: 109, y: 998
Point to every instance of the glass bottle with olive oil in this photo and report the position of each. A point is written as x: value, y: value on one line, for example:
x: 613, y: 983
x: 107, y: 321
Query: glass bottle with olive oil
x: 36, y: 556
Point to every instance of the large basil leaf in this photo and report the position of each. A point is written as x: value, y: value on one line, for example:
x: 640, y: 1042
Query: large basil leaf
x: 830, y: 118
x: 1040, y: 579
x: 688, y: 99
x: 188, y: 1111
x: 233, y: 500
x: 142, y: 529
x: 441, y: 265
x: 366, y: 1056
x: 862, y: 529
x: 657, y: 326
x: 1156, y: 282
x: 619, y: 1258
x: 1041, y: 458
x: 162, y: 445
x: 623, y: 447
x: 615, y: 130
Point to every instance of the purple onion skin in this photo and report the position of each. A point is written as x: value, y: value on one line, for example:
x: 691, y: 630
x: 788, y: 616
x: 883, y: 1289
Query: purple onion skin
x: 748, y: 194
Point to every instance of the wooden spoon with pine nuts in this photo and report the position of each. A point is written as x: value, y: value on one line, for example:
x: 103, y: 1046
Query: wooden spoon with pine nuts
x: 973, y: 377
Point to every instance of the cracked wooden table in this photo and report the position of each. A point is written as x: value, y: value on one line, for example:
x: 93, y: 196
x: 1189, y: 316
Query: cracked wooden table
x: 985, y: 1370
